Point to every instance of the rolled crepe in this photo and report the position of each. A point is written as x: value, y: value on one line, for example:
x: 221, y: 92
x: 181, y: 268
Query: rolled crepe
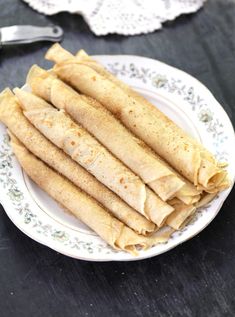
x: 85, y: 208
x: 223, y: 181
x: 89, y: 153
x: 181, y: 215
x: 11, y: 115
x: 108, y: 130
x: 99, y: 122
x: 184, y: 153
x: 206, y: 199
x: 188, y: 193
x: 184, y: 213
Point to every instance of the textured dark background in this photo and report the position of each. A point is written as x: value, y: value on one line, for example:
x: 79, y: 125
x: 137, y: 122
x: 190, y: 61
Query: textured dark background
x: 195, y: 279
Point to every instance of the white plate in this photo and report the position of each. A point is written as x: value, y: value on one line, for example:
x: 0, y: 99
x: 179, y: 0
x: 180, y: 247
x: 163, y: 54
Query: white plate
x: 181, y: 97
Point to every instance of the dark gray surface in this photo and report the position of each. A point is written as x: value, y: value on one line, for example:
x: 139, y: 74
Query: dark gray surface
x: 195, y: 279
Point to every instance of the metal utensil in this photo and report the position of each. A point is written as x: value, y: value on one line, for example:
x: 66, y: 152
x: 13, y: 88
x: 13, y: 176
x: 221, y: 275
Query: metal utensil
x: 22, y: 34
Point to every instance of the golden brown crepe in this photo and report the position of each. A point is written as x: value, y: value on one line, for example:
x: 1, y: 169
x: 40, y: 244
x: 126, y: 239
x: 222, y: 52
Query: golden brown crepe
x: 181, y: 215
x: 188, y: 193
x: 11, y: 115
x: 184, y: 153
x: 108, y: 130
x: 111, y: 133
x: 186, y: 190
x: 206, y: 199
x: 89, y: 153
x: 85, y: 208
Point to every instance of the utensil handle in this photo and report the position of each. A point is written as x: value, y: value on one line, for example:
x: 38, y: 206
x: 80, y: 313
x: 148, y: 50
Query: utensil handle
x: 22, y: 34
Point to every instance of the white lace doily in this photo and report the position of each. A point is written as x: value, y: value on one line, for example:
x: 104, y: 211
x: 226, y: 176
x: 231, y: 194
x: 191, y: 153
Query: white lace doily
x: 126, y: 17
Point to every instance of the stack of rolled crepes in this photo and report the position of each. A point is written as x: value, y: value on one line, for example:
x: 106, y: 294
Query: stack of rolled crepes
x: 106, y: 154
